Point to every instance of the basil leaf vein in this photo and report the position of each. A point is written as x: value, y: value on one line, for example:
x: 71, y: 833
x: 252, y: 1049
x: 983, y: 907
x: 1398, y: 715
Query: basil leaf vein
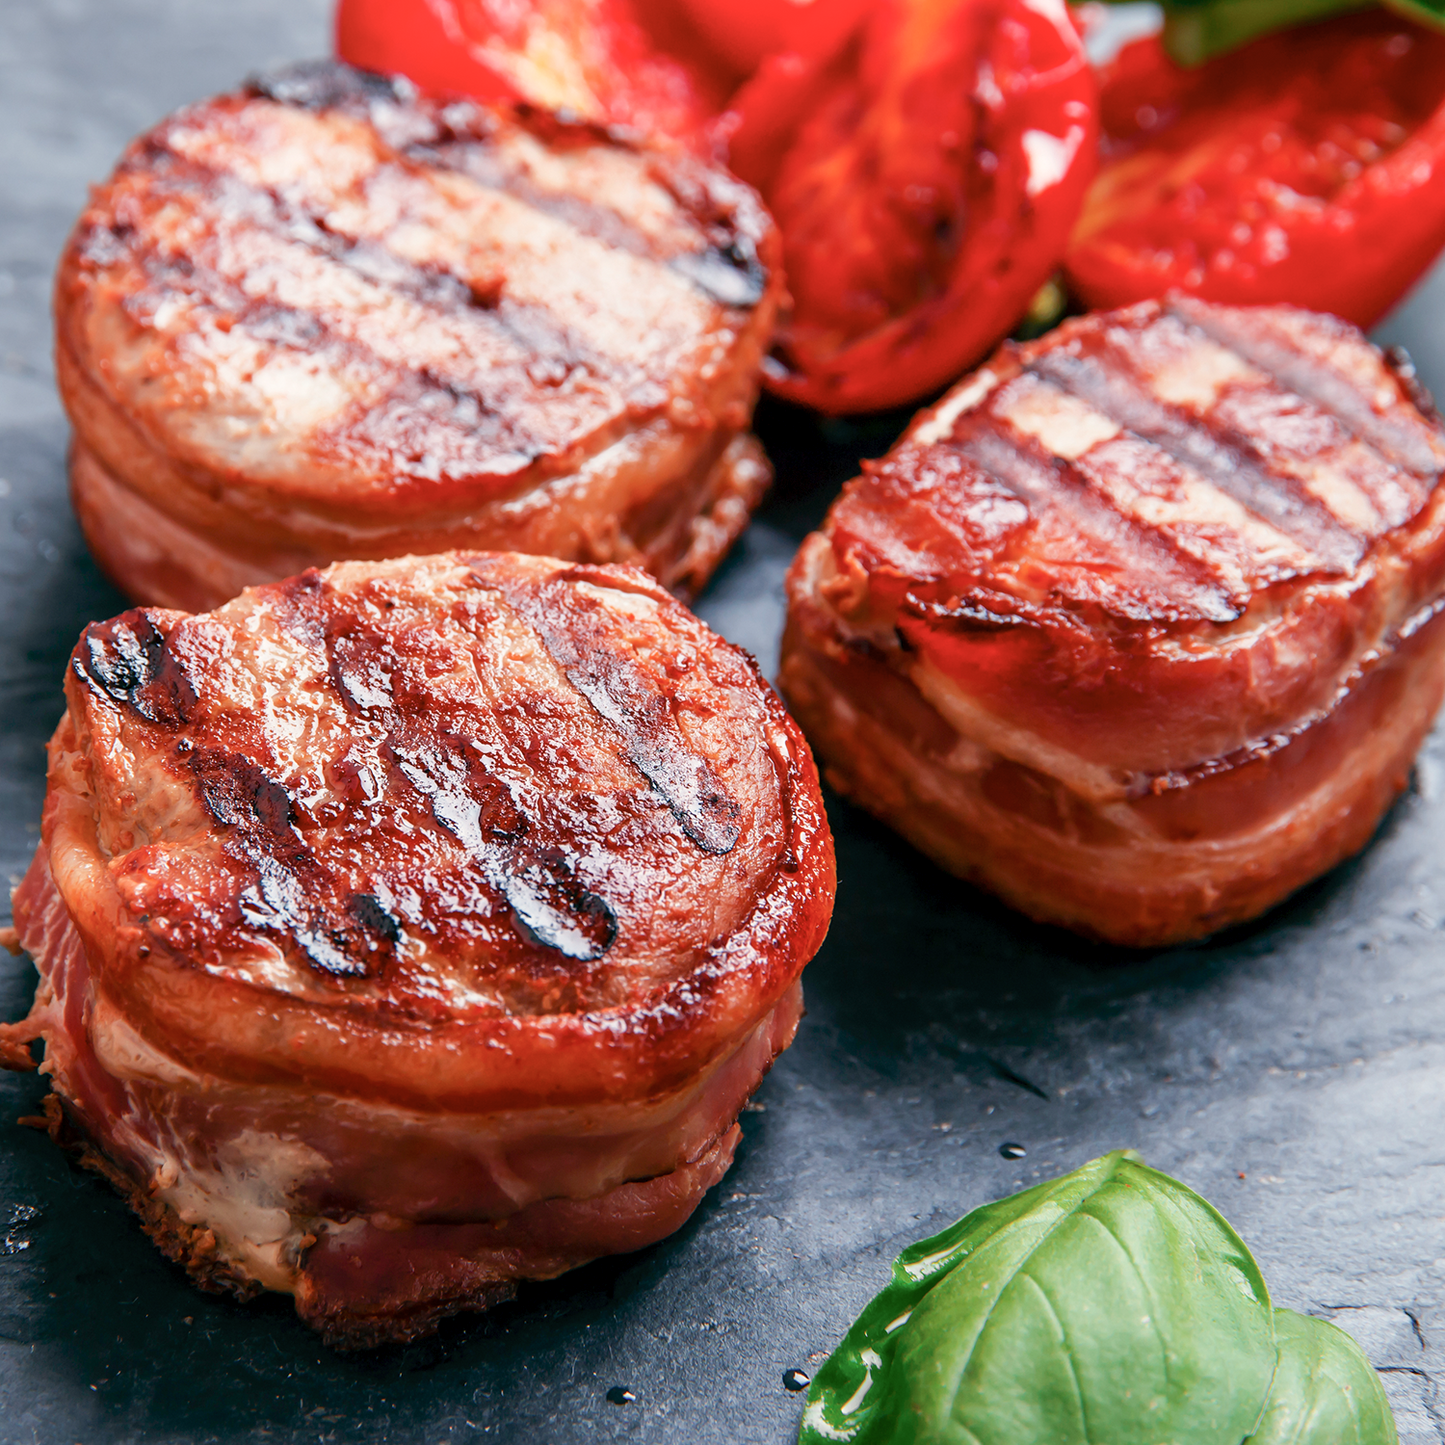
x: 1325, y: 1391
x: 1110, y: 1307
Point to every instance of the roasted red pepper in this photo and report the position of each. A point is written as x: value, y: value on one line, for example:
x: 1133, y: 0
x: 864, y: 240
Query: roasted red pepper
x: 924, y: 178
x: 1306, y: 167
x: 622, y: 62
x: 746, y: 32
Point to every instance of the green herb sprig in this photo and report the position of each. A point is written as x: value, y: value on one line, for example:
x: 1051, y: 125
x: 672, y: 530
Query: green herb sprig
x: 1197, y: 30
x: 1113, y: 1306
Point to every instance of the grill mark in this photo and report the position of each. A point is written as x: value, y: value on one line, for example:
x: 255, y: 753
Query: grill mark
x: 260, y: 816
x: 731, y: 275
x: 1108, y: 388
x: 1363, y: 491
x: 1202, y: 521
x: 357, y: 664
x: 1317, y: 382
x: 727, y: 271
x: 459, y: 137
x: 538, y: 884
x: 478, y: 439
x: 1047, y: 483
x: 232, y: 203
x: 622, y: 696
x: 537, y: 881
x: 374, y: 916
x: 128, y: 660
x: 531, y: 331
x: 330, y: 85
x: 1152, y: 489
x: 239, y: 793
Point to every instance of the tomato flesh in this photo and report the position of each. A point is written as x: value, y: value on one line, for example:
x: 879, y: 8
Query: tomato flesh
x: 1307, y: 167
x: 924, y: 180
x: 419, y: 40
x: 616, y: 62
x: 746, y: 32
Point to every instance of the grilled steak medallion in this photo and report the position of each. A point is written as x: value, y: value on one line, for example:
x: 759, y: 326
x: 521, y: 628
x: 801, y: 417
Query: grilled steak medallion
x: 1140, y: 626
x: 410, y: 928
x: 320, y: 319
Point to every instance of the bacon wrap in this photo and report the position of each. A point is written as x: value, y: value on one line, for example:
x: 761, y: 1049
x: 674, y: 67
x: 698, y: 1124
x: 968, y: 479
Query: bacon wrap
x: 1139, y: 626
x: 321, y: 318
x: 434, y: 917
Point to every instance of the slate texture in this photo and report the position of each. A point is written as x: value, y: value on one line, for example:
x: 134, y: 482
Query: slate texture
x: 1294, y: 1071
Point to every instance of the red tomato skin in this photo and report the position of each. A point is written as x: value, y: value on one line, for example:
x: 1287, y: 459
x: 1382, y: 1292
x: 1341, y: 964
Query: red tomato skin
x: 1236, y: 192
x: 634, y: 63
x: 419, y: 39
x: 746, y: 32
x: 918, y: 221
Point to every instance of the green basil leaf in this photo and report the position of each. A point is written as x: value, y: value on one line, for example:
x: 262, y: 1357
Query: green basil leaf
x: 1198, y: 30
x: 1195, y: 32
x: 1428, y: 12
x: 1325, y: 1391
x: 1113, y: 1306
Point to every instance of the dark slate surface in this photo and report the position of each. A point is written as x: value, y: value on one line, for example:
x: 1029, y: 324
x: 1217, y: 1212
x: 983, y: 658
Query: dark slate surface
x: 1294, y: 1071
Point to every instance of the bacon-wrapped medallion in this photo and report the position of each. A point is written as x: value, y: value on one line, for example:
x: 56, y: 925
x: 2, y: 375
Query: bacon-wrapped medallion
x: 319, y: 319
x: 1140, y: 626
x: 410, y: 928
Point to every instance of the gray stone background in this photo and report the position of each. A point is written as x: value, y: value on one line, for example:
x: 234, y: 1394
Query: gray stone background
x: 1294, y: 1072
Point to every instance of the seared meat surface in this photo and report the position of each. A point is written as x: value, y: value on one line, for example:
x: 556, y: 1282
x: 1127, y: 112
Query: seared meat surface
x: 1138, y: 626
x: 410, y: 928
x: 320, y: 319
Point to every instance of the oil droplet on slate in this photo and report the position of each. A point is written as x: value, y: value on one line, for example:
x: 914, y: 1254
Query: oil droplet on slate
x: 620, y: 1395
x: 1012, y: 1151
x: 19, y: 1214
x: 795, y: 1380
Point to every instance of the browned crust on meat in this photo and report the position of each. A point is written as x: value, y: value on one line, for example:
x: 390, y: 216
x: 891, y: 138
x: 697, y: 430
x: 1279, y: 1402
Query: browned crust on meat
x: 1141, y: 874
x: 416, y: 927
x: 367, y: 1261
x: 193, y: 1247
x: 15, y: 1049
x: 353, y: 1329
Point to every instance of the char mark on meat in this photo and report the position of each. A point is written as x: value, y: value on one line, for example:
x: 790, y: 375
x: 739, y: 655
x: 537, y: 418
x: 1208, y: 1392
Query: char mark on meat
x: 374, y: 916
x: 433, y: 391
x: 128, y: 660
x: 238, y: 793
x: 556, y: 909
x: 1407, y: 443
x: 731, y: 274
x: 578, y: 641
x: 728, y: 270
x: 290, y: 899
x: 538, y: 882
x: 1224, y: 461
x: 1042, y: 480
x: 330, y: 85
